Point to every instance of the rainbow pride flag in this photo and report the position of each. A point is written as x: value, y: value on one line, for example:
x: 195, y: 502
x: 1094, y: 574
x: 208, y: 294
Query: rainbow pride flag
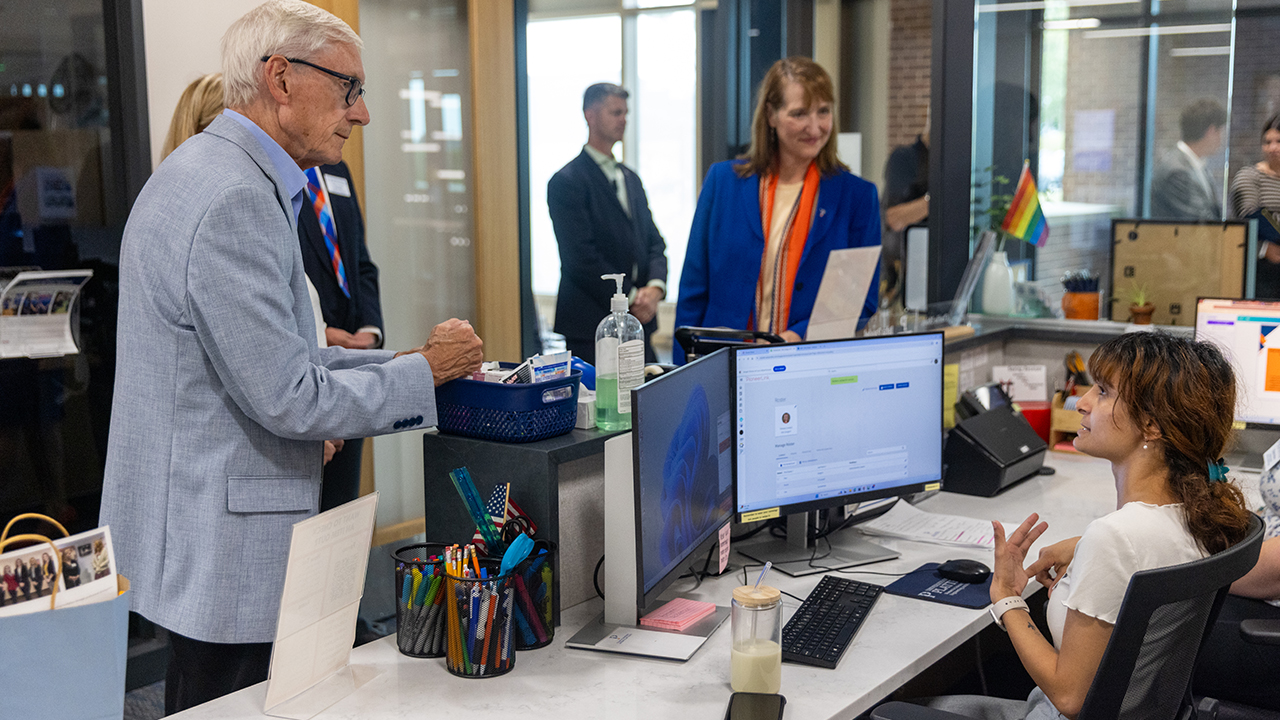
x: 1025, y: 220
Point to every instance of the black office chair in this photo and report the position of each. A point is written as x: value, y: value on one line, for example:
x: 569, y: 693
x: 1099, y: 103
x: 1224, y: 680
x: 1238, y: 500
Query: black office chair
x: 1257, y: 632
x: 1164, y: 619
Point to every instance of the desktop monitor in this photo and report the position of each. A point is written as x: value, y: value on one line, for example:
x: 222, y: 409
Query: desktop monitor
x: 668, y: 489
x: 1248, y: 333
x: 682, y: 447
x: 826, y: 424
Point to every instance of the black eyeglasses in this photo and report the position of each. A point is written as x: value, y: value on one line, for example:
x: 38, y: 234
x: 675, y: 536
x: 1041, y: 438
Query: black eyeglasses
x: 355, y: 86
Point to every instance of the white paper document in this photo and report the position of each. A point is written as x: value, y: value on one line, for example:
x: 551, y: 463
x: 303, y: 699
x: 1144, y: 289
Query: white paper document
x: 35, y: 312
x: 1026, y: 383
x: 906, y: 521
x: 843, y: 292
x: 323, y: 583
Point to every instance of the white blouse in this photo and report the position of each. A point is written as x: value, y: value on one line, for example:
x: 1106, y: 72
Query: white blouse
x: 1138, y: 536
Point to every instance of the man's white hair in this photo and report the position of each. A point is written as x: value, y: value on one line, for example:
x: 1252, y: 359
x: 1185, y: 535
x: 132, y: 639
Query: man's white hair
x: 292, y: 28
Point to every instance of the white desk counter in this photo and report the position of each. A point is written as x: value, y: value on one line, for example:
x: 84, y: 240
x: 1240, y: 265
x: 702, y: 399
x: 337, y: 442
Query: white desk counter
x: 900, y: 638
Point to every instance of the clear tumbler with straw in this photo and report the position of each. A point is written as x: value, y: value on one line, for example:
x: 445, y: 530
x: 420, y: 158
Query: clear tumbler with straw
x: 756, y: 656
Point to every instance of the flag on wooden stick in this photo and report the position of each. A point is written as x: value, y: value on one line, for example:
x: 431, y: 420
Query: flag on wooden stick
x: 1025, y: 220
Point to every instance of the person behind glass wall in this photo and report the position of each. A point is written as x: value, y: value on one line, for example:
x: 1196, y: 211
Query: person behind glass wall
x: 766, y: 221
x: 1255, y: 193
x: 906, y: 203
x: 603, y: 225
x: 223, y: 398
x: 347, y: 307
x: 1182, y: 188
x: 1161, y: 412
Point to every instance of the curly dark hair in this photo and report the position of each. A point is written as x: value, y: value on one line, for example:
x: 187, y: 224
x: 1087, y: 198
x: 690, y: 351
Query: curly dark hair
x: 1188, y: 390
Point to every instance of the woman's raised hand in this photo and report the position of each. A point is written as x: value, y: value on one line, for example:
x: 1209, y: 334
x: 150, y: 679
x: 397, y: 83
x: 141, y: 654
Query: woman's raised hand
x: 1008, y: 576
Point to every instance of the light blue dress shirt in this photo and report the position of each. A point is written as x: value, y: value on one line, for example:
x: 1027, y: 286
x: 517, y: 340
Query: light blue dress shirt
x: 295, y: 180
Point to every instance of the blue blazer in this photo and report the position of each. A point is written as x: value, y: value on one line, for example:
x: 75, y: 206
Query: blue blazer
x: 726, y: 246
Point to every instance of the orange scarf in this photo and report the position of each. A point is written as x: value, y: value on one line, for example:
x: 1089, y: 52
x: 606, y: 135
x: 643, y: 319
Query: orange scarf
x: 787, y: 261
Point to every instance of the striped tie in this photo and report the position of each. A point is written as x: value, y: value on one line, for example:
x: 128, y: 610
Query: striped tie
x: 320, y: 201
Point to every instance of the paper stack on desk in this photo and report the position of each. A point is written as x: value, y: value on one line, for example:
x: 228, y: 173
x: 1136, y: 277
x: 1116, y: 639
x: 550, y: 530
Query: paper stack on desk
x: 909, y: 522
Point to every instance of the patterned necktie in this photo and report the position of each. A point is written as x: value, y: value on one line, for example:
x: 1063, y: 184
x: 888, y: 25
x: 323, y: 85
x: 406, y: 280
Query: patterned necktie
x: 320, y: 202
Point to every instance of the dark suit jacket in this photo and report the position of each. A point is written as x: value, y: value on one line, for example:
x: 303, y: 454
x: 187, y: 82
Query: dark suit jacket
x: 364, y: 307
x: 596, y: 237
x: 1177, y: 192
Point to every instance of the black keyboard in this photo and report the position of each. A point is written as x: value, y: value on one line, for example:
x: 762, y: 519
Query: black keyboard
x: 826, y: 621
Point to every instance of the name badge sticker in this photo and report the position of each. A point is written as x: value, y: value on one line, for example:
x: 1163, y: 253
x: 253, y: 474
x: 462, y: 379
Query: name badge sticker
x: 337, y: 185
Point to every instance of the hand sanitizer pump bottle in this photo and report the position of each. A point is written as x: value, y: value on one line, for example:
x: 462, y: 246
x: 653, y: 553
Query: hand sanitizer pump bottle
x: 619, y: 362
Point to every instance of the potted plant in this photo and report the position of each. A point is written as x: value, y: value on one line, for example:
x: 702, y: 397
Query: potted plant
x: 1140, y: 307
x: 1080, y: 301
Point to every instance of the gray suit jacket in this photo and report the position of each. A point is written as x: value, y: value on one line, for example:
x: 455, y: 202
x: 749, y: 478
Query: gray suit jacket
x: 222, y: 399
x: 1178, y: 192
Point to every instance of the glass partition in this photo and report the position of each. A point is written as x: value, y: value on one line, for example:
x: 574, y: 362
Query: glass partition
x: 418, y: 196
x: 1120, y: 109
x: 62, y: 207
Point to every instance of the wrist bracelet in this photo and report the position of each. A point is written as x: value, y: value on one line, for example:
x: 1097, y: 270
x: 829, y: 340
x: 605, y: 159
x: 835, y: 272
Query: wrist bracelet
x: 1004, y: 605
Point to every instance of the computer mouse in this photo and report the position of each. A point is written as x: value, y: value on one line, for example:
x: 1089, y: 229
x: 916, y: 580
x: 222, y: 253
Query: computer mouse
x: 965, y: 571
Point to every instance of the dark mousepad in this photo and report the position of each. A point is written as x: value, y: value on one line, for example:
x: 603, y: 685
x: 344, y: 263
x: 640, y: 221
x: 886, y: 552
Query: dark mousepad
x: 926, y: 584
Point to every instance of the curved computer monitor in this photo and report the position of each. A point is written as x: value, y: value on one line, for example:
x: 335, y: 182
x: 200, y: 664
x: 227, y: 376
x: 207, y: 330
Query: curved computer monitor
x: 682, y: 449
x: 826, y: 424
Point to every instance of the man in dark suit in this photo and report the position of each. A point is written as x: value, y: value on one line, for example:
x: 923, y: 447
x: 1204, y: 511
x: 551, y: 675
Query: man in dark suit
x: 1182, y: 188
x: 346, y: 280
x: 603, y: 225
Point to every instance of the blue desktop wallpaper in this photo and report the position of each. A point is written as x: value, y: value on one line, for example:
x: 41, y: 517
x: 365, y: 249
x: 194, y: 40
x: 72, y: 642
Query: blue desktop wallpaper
x: 690, y: 480
x: 683, y: 424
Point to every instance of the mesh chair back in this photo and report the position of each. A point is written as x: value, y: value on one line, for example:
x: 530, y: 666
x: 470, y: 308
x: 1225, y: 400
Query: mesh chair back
x: 1164, y: 619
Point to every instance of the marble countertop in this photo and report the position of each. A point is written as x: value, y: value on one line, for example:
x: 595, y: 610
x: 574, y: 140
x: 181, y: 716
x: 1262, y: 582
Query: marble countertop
x: 900, y: 638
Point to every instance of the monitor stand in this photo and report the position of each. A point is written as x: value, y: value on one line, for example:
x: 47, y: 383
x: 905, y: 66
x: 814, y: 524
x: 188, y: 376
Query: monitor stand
x: 791, y: 556
x: 604, y: 636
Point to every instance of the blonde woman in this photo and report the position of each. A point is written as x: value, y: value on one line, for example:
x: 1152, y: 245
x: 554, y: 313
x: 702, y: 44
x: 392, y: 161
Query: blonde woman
x: 200, y: 103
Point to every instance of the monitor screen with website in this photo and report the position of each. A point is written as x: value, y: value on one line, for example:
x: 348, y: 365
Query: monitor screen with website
x: 682, y: 449
x: 822, y: 425
x: 1248, y: 333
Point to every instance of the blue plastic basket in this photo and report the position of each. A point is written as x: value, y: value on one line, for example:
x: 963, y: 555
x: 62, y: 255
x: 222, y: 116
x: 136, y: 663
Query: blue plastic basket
x: 508, y: 413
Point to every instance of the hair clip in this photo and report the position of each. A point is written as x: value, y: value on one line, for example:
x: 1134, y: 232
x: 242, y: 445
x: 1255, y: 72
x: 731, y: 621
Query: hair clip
x: 1217, y: 470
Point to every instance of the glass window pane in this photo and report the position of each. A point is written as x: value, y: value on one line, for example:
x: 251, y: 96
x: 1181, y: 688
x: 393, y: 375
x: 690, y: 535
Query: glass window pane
x: 564, y: 57
x: 418, y: 195
x: 1094, y: 96
x: 664, y: 109
x: 59, y: 208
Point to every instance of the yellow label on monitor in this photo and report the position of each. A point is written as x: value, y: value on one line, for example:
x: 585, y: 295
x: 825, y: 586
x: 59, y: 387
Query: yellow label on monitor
x: 766, y: 514
x: 1237, y: 425
x: 932, y: 486
x: 844, y: 380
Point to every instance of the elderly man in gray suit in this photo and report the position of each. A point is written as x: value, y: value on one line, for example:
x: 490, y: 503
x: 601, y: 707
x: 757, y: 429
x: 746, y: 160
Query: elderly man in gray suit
x: 1182, y: 188
x: 222, y: 399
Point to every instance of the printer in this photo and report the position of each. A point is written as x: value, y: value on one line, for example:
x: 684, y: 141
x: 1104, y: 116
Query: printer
x: 991, y: 450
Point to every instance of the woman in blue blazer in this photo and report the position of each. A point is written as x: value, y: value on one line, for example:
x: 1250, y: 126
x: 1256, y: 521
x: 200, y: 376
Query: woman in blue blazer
x: 790, y: 181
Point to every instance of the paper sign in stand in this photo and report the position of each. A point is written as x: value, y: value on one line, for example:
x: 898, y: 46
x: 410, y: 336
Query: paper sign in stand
x: 324, y: 580
x: 845, y: 284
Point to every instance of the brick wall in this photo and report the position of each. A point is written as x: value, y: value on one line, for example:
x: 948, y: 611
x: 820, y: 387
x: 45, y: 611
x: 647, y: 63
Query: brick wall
x: 910, y: 52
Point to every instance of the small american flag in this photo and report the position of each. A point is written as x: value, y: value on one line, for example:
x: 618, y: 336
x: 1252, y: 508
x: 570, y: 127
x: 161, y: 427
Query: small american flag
x: 507, y: 517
